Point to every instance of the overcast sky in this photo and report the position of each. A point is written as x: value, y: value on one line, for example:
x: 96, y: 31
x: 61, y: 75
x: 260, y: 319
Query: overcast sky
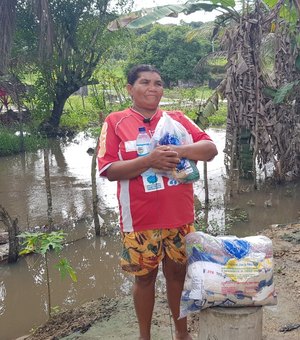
x: 197, y: 16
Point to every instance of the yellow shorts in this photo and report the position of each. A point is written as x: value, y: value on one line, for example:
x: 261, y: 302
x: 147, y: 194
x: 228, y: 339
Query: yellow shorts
x: 144, y: 250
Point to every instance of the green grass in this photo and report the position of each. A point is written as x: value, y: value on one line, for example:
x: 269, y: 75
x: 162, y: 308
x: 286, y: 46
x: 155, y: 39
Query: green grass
x: 10, y: 143
x: 220, y: 61
x: 220, y: 117
x: 191, y: 94
x: 187, y: 100
x: 83, y: 113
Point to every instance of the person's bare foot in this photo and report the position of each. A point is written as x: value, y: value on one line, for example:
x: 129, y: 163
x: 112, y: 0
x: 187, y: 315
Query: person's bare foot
x: 184, y: 336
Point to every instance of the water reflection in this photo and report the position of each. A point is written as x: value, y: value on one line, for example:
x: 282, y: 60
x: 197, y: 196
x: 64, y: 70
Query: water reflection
x: 23, y: 291
x: 22, y: 187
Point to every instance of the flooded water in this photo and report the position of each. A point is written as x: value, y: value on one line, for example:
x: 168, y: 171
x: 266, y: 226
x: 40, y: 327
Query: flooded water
x: 23, y: 292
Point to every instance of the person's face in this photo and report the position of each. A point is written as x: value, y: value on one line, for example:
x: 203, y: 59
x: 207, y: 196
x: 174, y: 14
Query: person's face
x: 147, y: 91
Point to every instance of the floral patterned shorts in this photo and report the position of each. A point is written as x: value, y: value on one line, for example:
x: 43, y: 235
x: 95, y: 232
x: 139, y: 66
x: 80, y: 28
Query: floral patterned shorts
x: 144, y: 250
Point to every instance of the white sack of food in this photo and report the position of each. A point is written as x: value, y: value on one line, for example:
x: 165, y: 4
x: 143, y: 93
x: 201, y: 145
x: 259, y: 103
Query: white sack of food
x: 227, y: 271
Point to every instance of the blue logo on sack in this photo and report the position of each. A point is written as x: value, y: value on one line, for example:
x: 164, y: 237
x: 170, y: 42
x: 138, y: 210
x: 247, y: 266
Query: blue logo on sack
x: 237, y: 248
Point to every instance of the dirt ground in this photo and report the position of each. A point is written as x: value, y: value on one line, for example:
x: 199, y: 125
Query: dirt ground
x: 114, y: 318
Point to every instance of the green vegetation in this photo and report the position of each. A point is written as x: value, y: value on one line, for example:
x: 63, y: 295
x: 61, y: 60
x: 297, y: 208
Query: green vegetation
x: 43, y: 244
x: 220, y: 117
x: 79, y: 113
x: 10, y: 143
x: 236, y: 215
x: 82, y: 52
x: 52, y: 77
x: 79, y: 43
x: 197, y: 92
x: 82, y: 113
x: 168, y: 48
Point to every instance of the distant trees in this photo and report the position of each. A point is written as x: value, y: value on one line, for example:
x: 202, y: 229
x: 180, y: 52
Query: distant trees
x: 168, y: 48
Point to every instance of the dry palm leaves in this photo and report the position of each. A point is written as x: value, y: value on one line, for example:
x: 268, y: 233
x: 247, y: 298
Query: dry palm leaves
x: 270, y: 123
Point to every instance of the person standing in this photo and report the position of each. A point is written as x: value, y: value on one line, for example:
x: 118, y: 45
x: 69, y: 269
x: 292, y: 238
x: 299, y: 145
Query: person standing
x: 153, y: 219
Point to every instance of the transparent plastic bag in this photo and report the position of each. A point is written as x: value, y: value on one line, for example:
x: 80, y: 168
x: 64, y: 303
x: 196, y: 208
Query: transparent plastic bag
x: 227, y: 271
x: 170, y: 132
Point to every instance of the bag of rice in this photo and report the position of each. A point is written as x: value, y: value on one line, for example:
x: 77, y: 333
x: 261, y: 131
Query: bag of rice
x: 227, y: 271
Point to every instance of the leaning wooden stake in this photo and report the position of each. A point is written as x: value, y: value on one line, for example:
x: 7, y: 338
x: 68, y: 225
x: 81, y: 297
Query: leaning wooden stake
x: 94, y: 191
x: 48, y: 188
x: 206, y: 184
x: 13, y: 231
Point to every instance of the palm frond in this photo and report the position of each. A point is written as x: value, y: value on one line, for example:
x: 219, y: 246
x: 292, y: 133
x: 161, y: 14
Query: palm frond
x: 267, y: 57
x: 211, y: 105
x: 209, y: 58
x: 203, y: 32
x: 297, y: 5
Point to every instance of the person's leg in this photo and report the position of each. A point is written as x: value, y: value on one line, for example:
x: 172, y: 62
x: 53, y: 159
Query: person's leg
x: 144, y: 298
x: 141, y: 255
x: 175, y: 275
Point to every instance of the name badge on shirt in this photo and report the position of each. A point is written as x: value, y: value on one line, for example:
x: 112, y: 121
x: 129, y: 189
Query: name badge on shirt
x: 153, y: 182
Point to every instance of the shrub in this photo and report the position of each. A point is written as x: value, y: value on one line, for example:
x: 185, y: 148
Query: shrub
x: 10, y: 141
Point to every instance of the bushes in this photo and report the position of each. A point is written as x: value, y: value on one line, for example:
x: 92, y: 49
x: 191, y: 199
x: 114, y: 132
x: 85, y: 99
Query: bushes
x: 10, y: 141
x: 220, y: 117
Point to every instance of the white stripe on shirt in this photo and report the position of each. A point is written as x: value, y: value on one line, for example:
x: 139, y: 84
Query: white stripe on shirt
x: 125, y: 206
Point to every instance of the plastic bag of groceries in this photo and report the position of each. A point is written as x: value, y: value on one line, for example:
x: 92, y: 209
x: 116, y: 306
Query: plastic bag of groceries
x: 227, y: 271
x: 169, y: 131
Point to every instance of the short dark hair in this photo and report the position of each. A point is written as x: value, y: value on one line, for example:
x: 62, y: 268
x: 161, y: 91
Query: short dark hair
x: 134, y: 72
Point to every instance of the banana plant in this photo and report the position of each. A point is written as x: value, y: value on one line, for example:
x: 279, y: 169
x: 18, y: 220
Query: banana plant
x: 147, y: 16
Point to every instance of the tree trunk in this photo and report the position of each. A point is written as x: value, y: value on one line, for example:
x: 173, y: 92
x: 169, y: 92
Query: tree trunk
x: 57, y: 111
x: 63, y: 92
x: 13, y: 231
x: 7, y: 28
x: 13, y: 250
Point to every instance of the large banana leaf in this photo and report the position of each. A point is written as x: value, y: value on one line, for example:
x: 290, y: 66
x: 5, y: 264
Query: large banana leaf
x: 147, y: 16
x: 284, y: 91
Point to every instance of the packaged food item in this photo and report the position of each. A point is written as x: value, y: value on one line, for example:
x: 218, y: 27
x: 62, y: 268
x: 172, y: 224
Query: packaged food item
x: 227, y: 271
x: 170, y: 132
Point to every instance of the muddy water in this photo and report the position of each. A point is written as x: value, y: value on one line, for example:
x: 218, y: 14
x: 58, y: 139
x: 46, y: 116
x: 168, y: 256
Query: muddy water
x: 23, y: 293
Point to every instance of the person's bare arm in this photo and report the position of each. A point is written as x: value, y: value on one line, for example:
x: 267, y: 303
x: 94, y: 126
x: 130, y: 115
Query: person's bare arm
x: 162, y: 158
x: 203, y: 150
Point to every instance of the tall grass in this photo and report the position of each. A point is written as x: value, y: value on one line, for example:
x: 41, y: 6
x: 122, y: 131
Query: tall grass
x: 10, y: 142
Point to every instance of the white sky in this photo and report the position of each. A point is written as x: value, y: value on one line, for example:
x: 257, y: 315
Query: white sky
x: 197, y: 16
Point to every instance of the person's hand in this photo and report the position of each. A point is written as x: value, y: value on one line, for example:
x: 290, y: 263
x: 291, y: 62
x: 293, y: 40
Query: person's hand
x: 163, y: 158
